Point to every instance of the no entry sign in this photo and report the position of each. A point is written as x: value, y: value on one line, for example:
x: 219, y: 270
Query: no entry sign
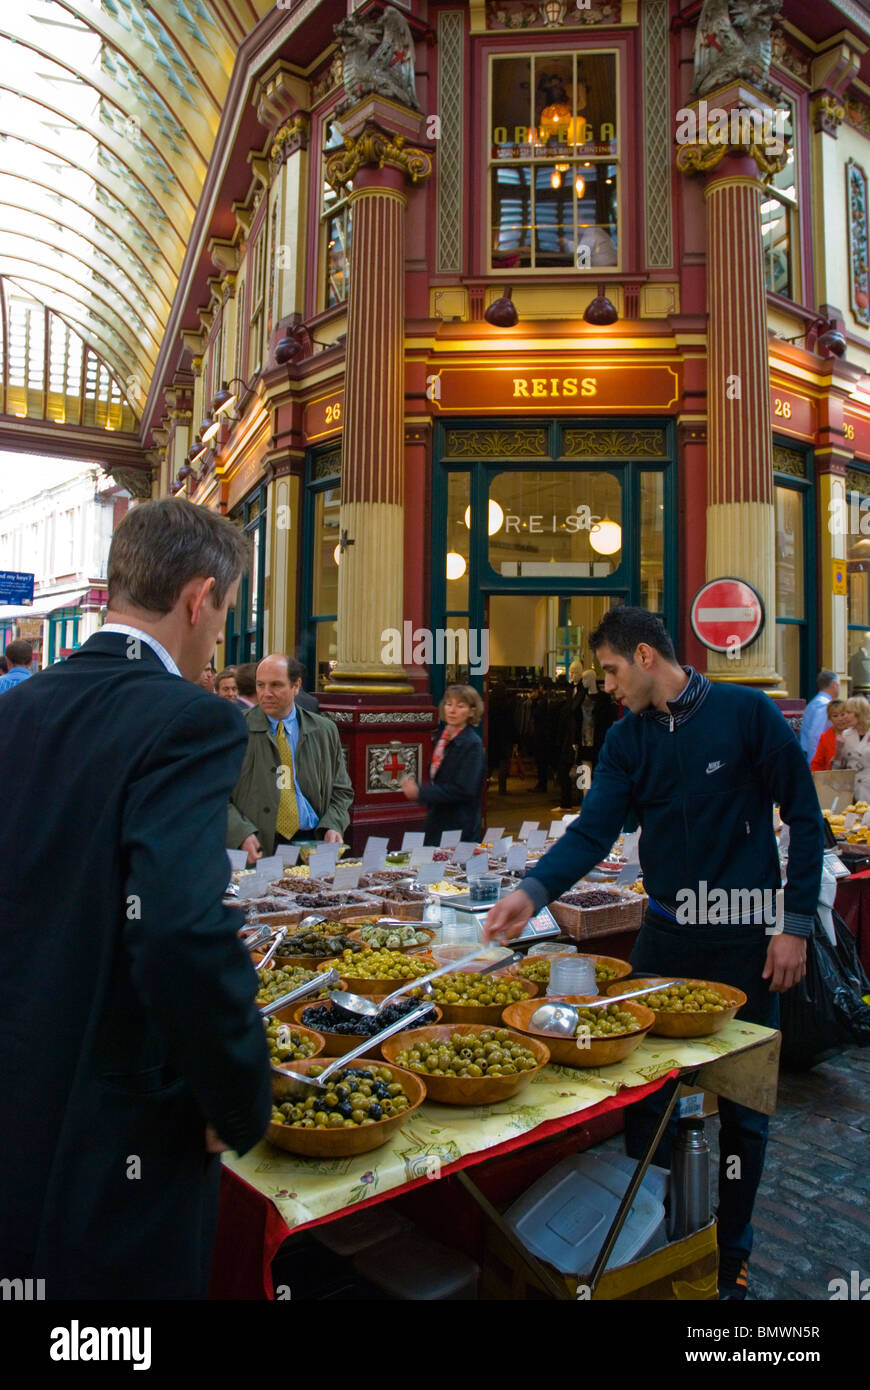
x: 727, y: 615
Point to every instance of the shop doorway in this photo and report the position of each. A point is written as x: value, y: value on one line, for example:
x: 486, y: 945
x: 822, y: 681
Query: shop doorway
x: 538, y: 650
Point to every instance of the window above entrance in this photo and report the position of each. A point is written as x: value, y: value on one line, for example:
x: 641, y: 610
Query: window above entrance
x: 554, y: 161
x: 554, y: 524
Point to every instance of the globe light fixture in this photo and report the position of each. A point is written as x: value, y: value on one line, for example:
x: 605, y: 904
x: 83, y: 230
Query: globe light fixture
x: 336, y: 554
x: 494, y: 521
x: 209, y: 428
x: 606, y: 536
x: 455, y: 565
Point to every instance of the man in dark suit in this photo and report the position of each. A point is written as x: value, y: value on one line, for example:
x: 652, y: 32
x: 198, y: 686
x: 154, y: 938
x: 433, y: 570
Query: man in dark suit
x: 132, y: 1050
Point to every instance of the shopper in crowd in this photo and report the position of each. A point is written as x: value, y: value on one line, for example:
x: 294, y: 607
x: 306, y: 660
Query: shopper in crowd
x: 133, y: 1052
x: 816, y: 712
x: 541, y: 732
x: 826, y: 749
x: 293, y: 784
x: 698, y: 765
x: 854, y: 749
x: 457, y: 770
x: 501, y: 733
x: 225, y: 684
x: 19, y: 655
x: 4, y: 665
x: 246, y: 680
x: 206, y: 677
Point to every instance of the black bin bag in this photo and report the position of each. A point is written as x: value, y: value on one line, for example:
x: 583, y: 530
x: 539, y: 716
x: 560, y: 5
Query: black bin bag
x: 825, y: 1012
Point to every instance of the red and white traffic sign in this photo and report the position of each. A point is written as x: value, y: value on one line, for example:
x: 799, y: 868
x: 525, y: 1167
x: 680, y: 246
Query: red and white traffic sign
x: 727, y: 615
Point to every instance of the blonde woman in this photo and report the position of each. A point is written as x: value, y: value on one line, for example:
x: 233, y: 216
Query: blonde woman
x: 853, y: 746
x: 458, y: 767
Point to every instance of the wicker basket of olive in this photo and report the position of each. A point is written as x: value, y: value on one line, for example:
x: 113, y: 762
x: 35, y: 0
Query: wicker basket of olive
x: 607, y: 968
x: 469, y: 1065
x: 365, y: 1104
x: 600, y: 1041
x: 373, y: 972
x: 274, y: 983
x: 292, y: 1043
x: 469, y: 997
x: 342, y: 1032
x: 693, y: 1009
x: 394, y: 937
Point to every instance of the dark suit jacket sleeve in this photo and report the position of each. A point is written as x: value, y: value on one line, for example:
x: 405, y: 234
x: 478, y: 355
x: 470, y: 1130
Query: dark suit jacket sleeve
x: 465, y: 777
x: 187, y: 963
x: 337, y: 814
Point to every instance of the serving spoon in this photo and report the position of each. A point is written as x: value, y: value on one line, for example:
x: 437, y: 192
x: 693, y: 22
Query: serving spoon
x: 325, y: 978
x: 289, y: 1085
x: 560, y: 1020
x: 279, y: 937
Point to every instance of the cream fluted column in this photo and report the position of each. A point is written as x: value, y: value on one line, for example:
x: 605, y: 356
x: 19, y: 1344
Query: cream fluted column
x: 741, y: 523
x: 370, y: 584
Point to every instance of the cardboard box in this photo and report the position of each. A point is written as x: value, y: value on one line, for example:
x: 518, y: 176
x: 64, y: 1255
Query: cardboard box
x: 835, y: 789
x: 685, y: 1271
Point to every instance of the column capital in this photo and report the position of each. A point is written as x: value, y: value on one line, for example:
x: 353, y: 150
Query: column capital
x: 379, y: 147
x: 736, y: 120
x: 290, y: 137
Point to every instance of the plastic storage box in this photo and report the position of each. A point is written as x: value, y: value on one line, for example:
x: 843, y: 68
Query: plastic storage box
x: 564, y: 1217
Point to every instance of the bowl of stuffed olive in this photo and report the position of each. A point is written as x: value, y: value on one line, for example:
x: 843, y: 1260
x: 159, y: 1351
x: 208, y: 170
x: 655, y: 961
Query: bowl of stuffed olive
x: 363, y: 1106
x: 466, y: 996
x: 537, y: 968
x: 604, y: 1035
x: 290, y: 1043
x: 468, y: 1065
x: 694, y: 1009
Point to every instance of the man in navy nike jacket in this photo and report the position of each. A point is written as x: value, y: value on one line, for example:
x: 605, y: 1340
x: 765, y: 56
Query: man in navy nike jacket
x: 698, y: 765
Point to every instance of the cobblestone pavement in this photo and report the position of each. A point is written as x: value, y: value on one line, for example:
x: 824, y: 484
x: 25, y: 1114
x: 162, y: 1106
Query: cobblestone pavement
x: 812, y: 1213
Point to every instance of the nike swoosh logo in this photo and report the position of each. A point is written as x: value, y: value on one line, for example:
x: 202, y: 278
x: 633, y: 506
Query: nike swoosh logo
x: 714, y: 767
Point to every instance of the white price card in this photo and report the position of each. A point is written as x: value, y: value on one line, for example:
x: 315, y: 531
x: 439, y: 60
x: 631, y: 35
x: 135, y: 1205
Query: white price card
x: 288, y: 854
x: 537, y: 839
x: 450, y: 838
x: 252, y: 886
x: 428, y: 873
x: 424, y: 854
x: 270, y: 866
x: 516, y: 858
x: 323, y: 862
x: 494, y: 833
x: 238, y: 859
x: 412, y: 839
x: 478, y: 864
x: 373, y: 862
x: 526, y: 829
x: 557, y: 830
x: 346, y: 876
x: 865, y: 819
x: 376, y: 844
x: 463, y: 852
x: 850, y: 820
x: 501, y: 847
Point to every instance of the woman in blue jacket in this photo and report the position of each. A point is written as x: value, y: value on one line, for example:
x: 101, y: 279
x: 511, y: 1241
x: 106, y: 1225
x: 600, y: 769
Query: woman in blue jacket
x: 457, y: 770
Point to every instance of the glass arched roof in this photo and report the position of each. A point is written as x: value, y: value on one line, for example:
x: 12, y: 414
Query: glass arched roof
x: 108, y: 115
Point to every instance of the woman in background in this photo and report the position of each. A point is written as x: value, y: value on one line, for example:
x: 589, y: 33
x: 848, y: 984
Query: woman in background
x: 854, y: 750
x: 457, y: 770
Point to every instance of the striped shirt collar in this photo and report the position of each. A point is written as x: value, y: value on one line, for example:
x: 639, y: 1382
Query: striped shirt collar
x: 687, y: 703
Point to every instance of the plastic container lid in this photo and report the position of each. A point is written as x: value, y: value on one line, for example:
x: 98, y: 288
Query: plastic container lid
x: 415, y: 1267
x: 448, y: 953
x: 361, y: 1230
x: 564, y: 1217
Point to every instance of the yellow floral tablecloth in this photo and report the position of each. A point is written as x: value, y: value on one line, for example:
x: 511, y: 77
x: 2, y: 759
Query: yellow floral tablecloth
x: 309, y: 1189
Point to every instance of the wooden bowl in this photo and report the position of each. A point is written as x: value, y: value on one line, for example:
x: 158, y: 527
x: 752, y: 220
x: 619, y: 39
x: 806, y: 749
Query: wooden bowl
x: 468, y: 1090
x: 308, y: 962
x: 284, y: 1015
x: 362, y: 984
x: 669, y: 1024
x: 484, y: 1014
x: 601, y: 1052
x: 344, y: 1143
x: 337, y: 1044
x: 429, y: 932
x: 318, y: 1038
x: 622, y: 967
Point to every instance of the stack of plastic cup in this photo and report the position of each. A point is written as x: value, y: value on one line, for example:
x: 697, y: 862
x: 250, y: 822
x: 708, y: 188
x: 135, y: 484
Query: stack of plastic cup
x: 572, y: 975
x: 463, y: 930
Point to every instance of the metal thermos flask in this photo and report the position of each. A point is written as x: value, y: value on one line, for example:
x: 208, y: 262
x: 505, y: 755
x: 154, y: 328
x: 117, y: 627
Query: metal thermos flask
x: 690, y: 1179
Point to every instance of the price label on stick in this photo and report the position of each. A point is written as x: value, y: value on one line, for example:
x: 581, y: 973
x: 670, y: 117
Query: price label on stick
x: 537, y: 839
x: 289, y: 855
x: 450, y: 838
x: 517, y: 858
x: 323, y: 862
x: 463, y: 852
x: 376, y: 844
x: 557, y: 829
x: 374, y: 861
x: 238, y: 859
x: 526, y: 829
x: 428, y: 873
x: 270, y: 866
x: 346, y: 876
x: 412, y: 839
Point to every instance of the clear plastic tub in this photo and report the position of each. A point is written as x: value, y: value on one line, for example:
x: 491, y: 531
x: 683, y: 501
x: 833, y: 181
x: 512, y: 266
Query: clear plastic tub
x: 564, y: 1217
x: 446, y: 954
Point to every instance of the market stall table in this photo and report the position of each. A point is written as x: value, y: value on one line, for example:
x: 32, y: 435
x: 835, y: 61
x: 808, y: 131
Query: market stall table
x: 853, y: 904
x: 269, y: 1194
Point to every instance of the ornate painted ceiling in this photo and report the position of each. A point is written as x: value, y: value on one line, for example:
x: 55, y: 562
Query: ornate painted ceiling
x: 108, y: 114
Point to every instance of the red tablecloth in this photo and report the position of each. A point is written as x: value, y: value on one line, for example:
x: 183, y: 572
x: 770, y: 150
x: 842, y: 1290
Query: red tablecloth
x: 853, y: 904
x: 251, y: 1231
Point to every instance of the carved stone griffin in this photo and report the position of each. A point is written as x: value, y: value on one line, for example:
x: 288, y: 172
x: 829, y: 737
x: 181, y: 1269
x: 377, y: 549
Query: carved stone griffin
x: 379, y: 58
x: 733, y: 42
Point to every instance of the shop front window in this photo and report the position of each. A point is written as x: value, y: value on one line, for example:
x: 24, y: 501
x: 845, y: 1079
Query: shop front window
x: 858, y: 579
x: 555, y: 524
x: 335, y: 220
x: 652, y: 540
x: 554, y: 162
x: 790, y: 589
x: 245, y: 619
x: 779, y: 229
